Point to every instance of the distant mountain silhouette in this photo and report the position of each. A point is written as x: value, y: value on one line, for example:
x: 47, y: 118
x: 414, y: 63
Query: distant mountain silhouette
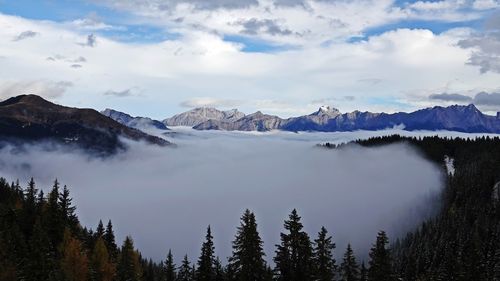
x: 140, y: 123
x: 32, y: 118
x: 453, y: 118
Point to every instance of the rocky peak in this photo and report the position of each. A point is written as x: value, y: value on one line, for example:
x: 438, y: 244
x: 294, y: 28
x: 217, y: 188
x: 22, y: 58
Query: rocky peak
x: 327, y: 110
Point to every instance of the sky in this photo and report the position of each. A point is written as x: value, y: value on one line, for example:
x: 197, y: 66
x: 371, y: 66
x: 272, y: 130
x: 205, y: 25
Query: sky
x: 157, y: 58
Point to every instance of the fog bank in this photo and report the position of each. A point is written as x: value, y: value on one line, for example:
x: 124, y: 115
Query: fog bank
x: 166, y: 197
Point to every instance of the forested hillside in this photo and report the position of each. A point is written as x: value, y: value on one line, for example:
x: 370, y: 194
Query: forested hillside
x: 41, y: 237
x: 463, y: 241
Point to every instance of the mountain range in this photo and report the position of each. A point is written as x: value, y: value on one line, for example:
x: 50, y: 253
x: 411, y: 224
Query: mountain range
x: 327, y: 119
x: 140, y: 123
x: 30, y: 118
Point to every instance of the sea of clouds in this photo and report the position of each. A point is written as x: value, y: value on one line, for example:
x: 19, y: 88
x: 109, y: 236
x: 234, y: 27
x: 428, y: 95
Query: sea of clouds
x: 166, y: 197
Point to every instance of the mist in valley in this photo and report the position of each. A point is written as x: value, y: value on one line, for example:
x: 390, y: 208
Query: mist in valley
x: 166, y: 197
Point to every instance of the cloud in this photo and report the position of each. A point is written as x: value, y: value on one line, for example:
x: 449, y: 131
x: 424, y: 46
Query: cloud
x: 165, y: 5
x: 292, y: 22
x: 210, y: 102
x: 76, y: 65
x: 333, y: 100
x: 487, y: 99
x: 47, y: 89
x: 25, y: 35
x: 486, y: 4
x: 450, y: 97
x: 254, y: 26
x: 485, y: 46
x: 91, y: 41
x: 92, y: 22
x: 211, y: 177
x: 121, y: 94
x: 288, y: 80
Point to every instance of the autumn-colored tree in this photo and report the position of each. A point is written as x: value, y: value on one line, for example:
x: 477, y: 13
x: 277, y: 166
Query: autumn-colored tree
x: 74, y: 262
x: 102, y: 267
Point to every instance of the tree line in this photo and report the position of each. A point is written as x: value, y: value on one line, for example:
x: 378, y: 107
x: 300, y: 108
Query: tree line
x: 41, y: 239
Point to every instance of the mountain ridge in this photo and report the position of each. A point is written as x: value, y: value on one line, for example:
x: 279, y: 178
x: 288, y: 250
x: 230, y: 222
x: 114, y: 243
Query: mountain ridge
x: 34, y: 119
x: 462, y: 118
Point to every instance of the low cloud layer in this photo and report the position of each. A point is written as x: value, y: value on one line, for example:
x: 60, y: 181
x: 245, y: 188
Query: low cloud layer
x: 165, y: 198
x: 486, y: 101
x: 46, y: 89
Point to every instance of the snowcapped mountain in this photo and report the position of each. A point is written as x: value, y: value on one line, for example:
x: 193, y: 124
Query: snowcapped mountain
x: 141, y: 123
x: 327, y: 119
x: 199, y: 115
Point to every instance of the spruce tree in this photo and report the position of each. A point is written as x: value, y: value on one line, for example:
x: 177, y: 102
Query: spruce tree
x: 324, y: 263
x: 380, y: 260
x: 247, y: 260
x: 205, y: 270
x: 68, y: 210
x: 219, y: 274
x: 109, y: 239
x: 363, y: 275
x: 53, y: 217
x: 349, y: 270
x: 41, y: 261
x: 185, y: 271
x: 129, y: 267
x: 170, y: 274
x: 294, y: 255
x: 99, y: 232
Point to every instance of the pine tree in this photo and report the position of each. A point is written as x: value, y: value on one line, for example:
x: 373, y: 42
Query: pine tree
x: 129, y: 267
x: 30, y: 207
x: 99, y: 232
x: 219, y: 274
x: 294, y: 255
x: 247, y: 261
x: 324, y: 263
x: 380, y: 260
x: 349, y: 270
x: 109, y: 239
x: 170, y: 274
x: 41, y: 263
x: 205, y: 271
x: 74, y: 262
x: 68, y: 210
x: 102, y: 267
x: 363, y: 275
x: 53, y: 218
x: 185, y: 271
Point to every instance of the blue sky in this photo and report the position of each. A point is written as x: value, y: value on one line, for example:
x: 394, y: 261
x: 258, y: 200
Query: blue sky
x: 256, y: 55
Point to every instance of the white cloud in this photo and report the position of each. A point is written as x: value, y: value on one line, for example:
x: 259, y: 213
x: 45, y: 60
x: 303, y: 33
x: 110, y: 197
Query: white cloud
x: 47, y: 89
x: 292, y: 22
x: 202, y: 64
x: 486, y: 4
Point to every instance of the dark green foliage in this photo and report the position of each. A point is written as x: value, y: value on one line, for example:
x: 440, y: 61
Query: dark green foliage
x: 185, y: 271
x: 205, y: 270
x: 323, y: 257
x: 247, y: 261
x: 170, y: 273
x: 460, y: 242
x: 129, y: 267
x: 349, y: 268
x: 294, y: 255
x: 380, y: 260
